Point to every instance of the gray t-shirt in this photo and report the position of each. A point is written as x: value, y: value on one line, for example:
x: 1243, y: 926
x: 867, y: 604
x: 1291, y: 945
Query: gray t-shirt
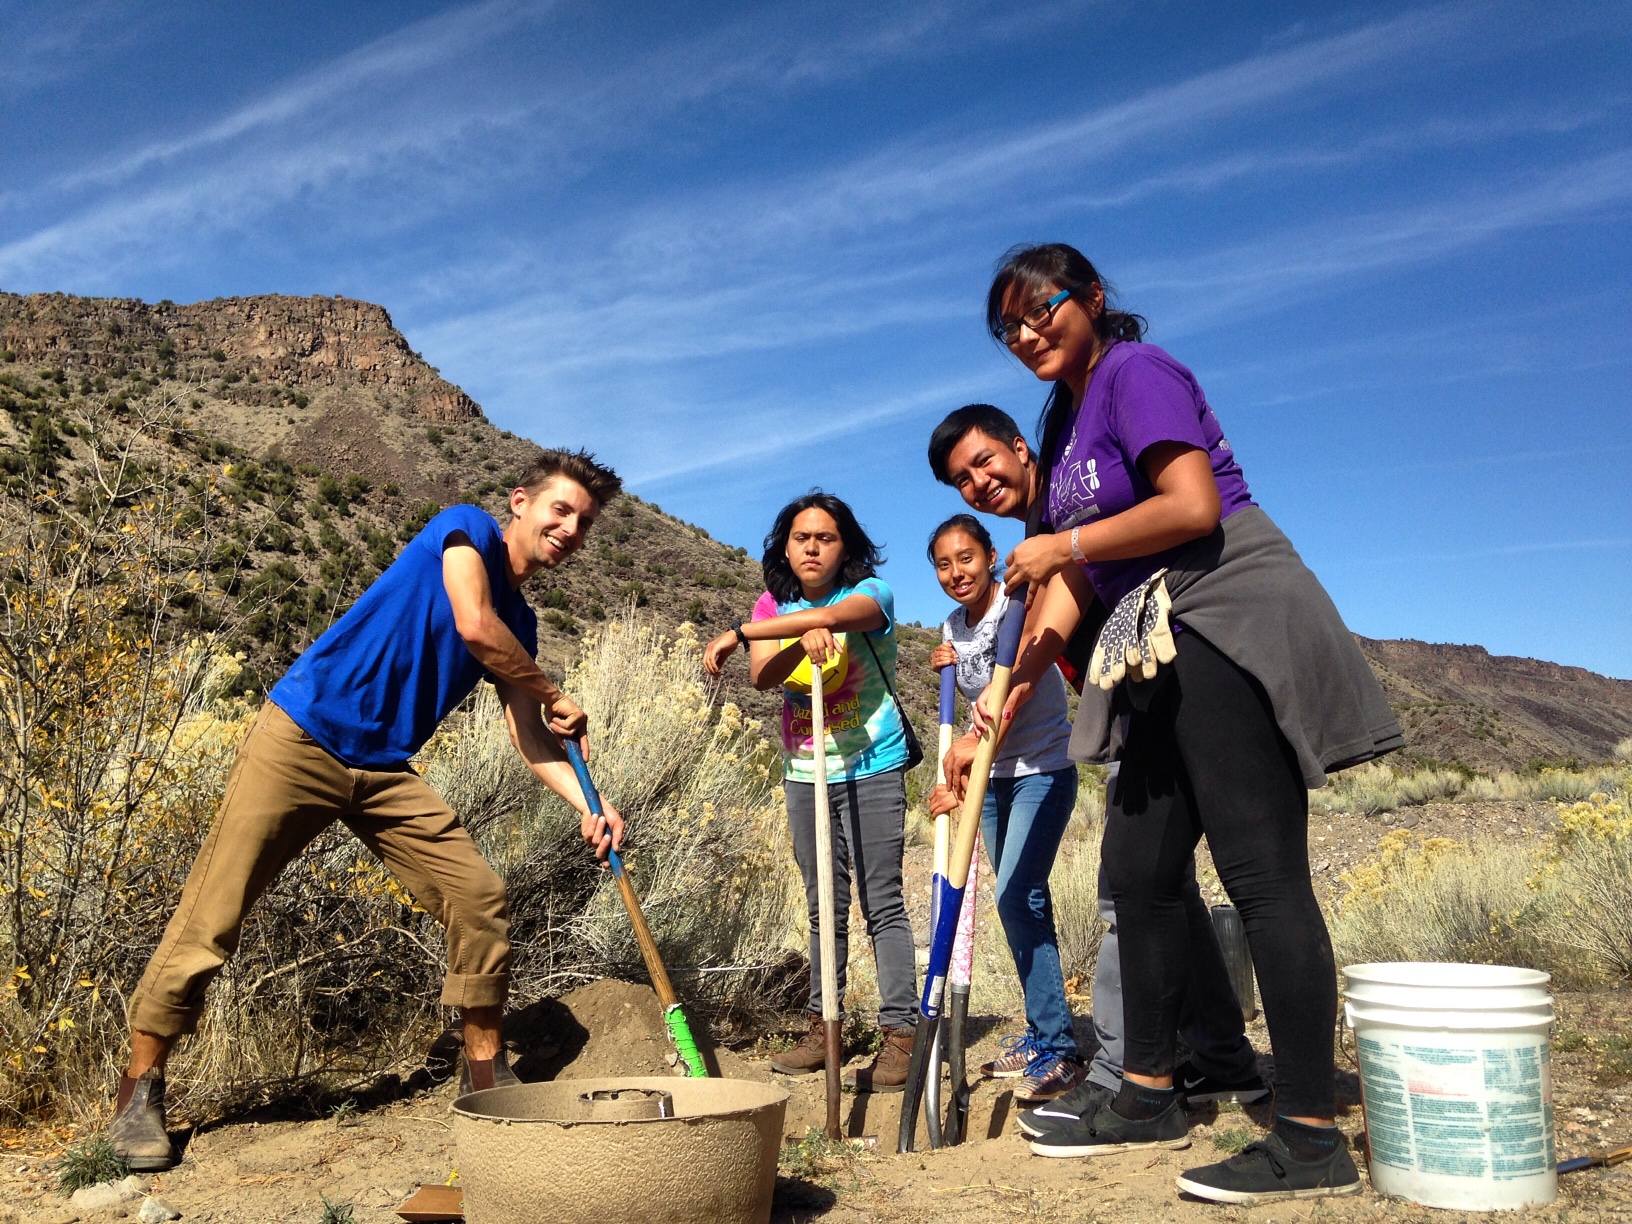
x: 1041, y: 733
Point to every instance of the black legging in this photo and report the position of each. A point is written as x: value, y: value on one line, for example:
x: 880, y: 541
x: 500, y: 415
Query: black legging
x: 1203, y: 756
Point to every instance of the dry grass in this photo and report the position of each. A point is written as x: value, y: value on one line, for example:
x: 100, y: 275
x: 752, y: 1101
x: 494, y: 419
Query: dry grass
x: 1379, y: 787
x: 1074, y: 886
x: 1565, y: 908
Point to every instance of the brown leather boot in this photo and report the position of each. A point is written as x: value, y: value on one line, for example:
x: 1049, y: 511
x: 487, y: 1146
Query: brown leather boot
x: 137, y: 1130
x: 809, y: 1055
x: 888, y: 1070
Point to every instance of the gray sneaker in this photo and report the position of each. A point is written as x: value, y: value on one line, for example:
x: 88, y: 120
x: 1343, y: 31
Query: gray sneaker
x: 1102, y: 1130
x: 1067, y: 1110
x: 137, y: 1130
x: 1265, y: 1172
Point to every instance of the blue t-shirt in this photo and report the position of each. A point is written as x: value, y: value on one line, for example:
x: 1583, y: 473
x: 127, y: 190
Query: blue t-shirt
x: 374, y: 687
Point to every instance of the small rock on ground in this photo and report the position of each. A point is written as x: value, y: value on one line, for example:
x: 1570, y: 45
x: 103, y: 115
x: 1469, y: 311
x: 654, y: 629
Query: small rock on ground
x: 100, y: 1197
x: 156, y: 1211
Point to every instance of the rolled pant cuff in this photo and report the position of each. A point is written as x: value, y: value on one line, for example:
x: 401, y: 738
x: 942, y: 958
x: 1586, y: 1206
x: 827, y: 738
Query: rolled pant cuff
x: 475, y: 989
x: 162, y: 1020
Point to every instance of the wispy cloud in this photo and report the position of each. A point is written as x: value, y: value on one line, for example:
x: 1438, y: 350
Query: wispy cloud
x: 1277, y: 270
x: 429, y: 117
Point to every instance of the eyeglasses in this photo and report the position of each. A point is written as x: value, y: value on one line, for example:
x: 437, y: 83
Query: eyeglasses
x: 1038, y: 316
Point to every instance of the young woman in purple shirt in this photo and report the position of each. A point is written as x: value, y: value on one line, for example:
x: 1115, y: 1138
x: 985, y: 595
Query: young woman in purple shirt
x: 1142, y: 490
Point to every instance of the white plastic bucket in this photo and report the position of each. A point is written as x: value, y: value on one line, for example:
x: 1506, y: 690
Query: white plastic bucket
x: 1456, y: 1075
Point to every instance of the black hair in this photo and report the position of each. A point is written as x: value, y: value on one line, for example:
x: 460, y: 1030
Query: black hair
x: 1043, y: 269
x: 861, y: 556
x: 993, y: 422
x: 960, y: 522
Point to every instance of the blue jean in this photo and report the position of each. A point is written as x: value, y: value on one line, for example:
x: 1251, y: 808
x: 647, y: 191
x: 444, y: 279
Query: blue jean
x: 1023, y: 821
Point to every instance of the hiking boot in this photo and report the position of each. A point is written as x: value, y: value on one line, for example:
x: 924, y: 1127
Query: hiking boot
x: 809, y: 1055
x: 479, y: 1074
x: 1018, y: 1053
x: 1066, y: 1110
x: 1102, y: 1131
x: 137, y: 1130
x: 1198, y: 1089
x: 1049, y: 1076
x: 888, y: 1070
x: 1266, y: 1171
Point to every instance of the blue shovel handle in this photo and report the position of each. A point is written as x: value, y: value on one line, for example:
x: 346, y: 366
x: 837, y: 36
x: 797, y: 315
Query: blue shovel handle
x: 949, y: 693
x: 591, y: 796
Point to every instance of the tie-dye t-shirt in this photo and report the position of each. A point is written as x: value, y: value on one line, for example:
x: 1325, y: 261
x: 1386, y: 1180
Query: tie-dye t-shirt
x: 864, y: 733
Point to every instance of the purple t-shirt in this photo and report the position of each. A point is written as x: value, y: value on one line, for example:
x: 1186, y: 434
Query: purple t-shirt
x: 1138, y: 396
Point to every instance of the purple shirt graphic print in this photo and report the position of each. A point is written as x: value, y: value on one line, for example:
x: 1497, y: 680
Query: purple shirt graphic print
x: 1137, y: 397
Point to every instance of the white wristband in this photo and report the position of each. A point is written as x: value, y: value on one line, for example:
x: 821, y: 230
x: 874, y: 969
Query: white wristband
x: 1076, y: 550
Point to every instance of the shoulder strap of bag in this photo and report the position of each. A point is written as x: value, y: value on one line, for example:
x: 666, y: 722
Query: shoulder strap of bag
x: 885, y: 676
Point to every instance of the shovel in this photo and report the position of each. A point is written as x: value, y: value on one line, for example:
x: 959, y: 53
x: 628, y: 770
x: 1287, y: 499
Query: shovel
x: 827, y: 935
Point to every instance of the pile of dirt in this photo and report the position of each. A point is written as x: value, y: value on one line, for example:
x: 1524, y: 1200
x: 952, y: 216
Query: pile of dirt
x: 605, y: 1028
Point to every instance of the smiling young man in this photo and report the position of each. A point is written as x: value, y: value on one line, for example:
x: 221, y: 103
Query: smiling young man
x: 333, y: 741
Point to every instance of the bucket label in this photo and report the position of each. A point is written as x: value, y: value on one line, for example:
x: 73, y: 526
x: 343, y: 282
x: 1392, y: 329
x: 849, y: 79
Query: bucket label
x: 1459, y: 1112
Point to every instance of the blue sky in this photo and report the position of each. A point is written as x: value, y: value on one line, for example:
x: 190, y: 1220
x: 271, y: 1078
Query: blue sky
x: 742, y: 250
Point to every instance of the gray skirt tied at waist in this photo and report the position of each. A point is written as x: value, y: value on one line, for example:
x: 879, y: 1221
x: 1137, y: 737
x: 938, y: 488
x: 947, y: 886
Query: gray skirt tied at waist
x: 1245, y: 589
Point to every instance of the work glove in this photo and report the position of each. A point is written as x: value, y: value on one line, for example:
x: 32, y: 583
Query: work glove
x: 1137, y: 637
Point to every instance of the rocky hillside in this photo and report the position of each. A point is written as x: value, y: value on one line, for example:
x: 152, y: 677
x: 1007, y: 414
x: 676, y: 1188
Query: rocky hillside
x: 329, y: 441
x: 322, y: 441
x: 1462, y: 703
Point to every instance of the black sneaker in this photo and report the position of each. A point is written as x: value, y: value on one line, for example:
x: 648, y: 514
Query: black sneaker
x: 1265, y: 1172
x: 1102, y: 1130
x: 1199, y: 1089
x: 1066, y: 1110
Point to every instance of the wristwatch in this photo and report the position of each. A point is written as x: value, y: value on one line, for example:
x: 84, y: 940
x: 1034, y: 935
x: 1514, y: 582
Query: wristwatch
x: 736, y: 628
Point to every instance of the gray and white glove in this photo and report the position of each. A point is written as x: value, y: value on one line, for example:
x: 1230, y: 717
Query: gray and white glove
x: 1137, y: 637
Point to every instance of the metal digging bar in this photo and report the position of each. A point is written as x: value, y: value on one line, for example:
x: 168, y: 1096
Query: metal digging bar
x: 679, y: 1031
x: 949, y: 891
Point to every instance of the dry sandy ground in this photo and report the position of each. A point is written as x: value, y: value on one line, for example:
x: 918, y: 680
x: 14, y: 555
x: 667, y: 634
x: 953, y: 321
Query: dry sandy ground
x: 271, y: 1166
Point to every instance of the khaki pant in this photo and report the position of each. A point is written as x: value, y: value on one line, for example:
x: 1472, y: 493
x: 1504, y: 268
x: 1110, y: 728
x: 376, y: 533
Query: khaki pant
x: 282, y: 792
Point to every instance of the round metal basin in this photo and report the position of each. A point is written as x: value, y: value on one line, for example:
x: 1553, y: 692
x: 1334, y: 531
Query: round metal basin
x: 565, y: 1151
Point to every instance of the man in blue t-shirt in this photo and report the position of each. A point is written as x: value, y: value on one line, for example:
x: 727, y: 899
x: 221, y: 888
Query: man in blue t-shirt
x: 333, y: 741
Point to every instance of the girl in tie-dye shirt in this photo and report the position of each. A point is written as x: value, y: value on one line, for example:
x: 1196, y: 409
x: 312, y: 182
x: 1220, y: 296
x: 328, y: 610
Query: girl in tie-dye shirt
x: 826, y: 608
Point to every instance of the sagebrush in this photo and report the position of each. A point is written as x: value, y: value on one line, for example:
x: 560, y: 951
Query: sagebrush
x: 1564, y: 907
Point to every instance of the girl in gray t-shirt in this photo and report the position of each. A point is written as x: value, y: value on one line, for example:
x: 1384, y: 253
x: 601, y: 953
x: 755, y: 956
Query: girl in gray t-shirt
x: 1028, y: 803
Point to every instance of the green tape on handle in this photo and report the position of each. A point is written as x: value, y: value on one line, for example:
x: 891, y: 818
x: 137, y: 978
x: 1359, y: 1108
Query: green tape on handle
x: 684, y: 1043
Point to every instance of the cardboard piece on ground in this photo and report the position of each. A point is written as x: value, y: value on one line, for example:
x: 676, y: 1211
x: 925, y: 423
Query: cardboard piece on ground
x: 430, y: 1203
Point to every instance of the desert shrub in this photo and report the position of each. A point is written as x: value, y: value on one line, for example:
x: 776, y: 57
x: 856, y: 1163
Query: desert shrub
x: 1075, y: 888
x: 1584, y: 889
x: 706, y: 836
x: 1565, y: 909
x: 1428, y: 785
x: 1432, y: 900
x: 1378, y: 787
